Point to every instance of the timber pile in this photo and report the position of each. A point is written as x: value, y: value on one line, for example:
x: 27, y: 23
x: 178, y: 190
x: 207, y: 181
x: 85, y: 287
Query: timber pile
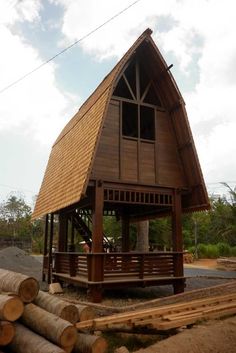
x: 228, y: 263
x: 165, y: 317
x: 42, y: 324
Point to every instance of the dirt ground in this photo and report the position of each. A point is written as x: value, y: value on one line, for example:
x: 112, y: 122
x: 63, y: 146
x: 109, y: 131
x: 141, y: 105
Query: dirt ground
x: 212, y: 336
x: 217, y: 336
x: 205, y: 263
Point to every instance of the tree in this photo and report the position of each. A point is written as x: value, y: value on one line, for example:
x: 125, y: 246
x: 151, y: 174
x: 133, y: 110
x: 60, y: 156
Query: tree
x: 15, y: 217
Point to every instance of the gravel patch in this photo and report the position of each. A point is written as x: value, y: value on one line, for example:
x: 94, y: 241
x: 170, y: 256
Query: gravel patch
x: 17, y: 260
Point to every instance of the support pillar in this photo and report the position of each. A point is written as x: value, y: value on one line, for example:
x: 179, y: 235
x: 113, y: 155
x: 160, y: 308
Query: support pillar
x: 45, y: 248
x: 62, y: 232
x: 72, y: 236
x: 50, y: 248
x: 177, y: 242
x: 95, y: 292
x: 125, y: 234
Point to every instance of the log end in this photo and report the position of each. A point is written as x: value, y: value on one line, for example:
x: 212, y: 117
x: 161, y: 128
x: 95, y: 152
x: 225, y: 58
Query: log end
x: 28, y: 290
x: 7, y: 332
x: 99, y: 346
x: 86, y: 313
x: 13, y: 309
x: 68, y: 337
x: 70, y: 313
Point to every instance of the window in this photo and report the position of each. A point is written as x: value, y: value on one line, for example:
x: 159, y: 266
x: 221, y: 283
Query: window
x: 130, y: 120
x: 138, y: 124
x: 147, y: 123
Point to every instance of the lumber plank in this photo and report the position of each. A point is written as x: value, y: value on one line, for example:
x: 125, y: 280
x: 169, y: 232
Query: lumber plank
x: 151, y: 313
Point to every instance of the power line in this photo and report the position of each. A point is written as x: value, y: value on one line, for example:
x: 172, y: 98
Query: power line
x: 69, y: 47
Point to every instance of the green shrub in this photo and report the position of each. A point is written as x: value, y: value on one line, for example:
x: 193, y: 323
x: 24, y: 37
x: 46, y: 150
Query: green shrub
x: 233, y: 251
x: 209, y: 251
x: 224, y: 249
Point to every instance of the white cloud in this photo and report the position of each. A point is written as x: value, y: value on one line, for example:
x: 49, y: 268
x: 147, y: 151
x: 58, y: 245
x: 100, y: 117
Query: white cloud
x: 200, y: 34
x: 15, y: 10
x: 36, y: 101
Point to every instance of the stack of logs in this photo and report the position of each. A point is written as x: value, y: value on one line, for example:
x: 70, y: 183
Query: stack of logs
x: 32, y: 321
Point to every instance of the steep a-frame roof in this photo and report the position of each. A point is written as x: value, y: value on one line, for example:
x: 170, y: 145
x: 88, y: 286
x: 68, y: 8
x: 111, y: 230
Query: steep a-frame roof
x: 71, y: 159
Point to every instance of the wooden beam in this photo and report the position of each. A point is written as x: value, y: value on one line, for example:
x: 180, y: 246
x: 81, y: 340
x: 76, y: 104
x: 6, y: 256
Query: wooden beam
x: 97, y: 217
x: 45, y: 245
x: 177, y: 240
x: 50, y: 248
x: 125, y: 233
x: 62, y: 232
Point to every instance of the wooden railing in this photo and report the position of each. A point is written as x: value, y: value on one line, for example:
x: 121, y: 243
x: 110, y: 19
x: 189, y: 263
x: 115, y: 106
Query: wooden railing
x: 117, y: 265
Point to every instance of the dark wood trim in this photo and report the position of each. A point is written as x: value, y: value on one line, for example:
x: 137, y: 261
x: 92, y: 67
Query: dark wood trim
x: 45, y: 245
x: 97, y: 217
x: 156, y: 150
x: 145, y: 91
x: 138, y: 147
x: 62, y: 232
x: 130, y: 89
x: 50, y: 248
x: 120, y: 143
x: 123, y: 99
x: 125, y: 234
x: 177, y: 241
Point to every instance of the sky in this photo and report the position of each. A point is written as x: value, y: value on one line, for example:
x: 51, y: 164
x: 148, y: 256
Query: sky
x: 196, y: 36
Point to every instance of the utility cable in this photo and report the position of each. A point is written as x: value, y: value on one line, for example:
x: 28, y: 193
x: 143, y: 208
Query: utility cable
x: 69, y: 47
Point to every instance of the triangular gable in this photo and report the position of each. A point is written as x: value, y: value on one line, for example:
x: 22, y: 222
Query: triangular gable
x: 71, y: 158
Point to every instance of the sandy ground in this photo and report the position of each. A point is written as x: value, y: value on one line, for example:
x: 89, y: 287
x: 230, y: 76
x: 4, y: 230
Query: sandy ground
x: 204, y: 263
x: 213, y: 336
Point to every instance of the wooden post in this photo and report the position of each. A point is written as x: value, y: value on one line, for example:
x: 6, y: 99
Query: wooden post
x: 95, y: 292
x: 177, y: 241
x: 62, y: 233
x: 72, y: 236
x: 125, y: 234
x: 50, y: 248
x: 45, y: 247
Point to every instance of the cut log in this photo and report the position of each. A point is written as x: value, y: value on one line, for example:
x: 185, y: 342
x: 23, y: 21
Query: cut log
x: 50, y: 326
x: 11, y: 308
x: 26, y: 341
x: 56, y: 306
x: 90, y: 344
x: 85, y: 312
x: 7, y: 332
x: 25, y: 287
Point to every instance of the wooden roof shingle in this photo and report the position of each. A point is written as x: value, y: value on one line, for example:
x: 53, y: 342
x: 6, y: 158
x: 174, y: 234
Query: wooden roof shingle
x: 71, y: 159
x: 68, y: 167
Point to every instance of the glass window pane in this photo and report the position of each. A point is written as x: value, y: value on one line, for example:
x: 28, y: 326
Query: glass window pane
x: 147, y: 123
x: 130, y: 120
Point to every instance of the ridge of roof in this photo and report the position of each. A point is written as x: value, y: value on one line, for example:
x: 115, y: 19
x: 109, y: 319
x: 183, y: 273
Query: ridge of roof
x: 101, y: 88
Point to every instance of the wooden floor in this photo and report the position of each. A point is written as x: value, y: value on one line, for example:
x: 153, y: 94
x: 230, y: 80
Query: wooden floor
x: 114, y: 281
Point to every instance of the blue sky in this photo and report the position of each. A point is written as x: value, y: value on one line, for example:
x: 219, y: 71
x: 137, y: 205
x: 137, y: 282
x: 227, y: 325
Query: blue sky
x: 197, y: 37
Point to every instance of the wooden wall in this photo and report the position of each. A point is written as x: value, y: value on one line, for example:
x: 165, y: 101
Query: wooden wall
x: 138, y: 161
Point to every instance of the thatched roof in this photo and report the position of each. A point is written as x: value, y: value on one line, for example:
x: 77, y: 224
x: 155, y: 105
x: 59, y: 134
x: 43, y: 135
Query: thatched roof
x: 71, y: 160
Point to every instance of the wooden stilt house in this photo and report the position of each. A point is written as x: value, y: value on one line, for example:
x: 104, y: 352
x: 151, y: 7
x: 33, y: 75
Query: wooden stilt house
x: 128, y: 153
